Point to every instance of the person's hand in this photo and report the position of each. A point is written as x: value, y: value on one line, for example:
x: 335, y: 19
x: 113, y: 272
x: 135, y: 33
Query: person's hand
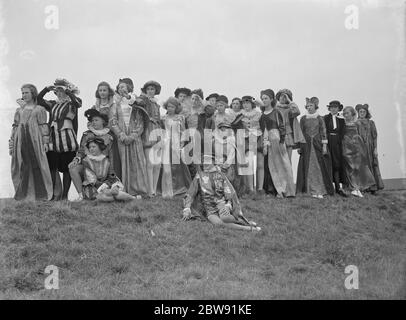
x: 324, y: 149
x: 46, y: 148
x: 128, y: 140
x: 115, y: 190
x: 103, y: 187
x: 121, y: 137
x: 74, y: 163
x: 50, y: 88
x: 187, y: 214
x: 287, y: 98
x: 21, y: 102
x: 117, y: 98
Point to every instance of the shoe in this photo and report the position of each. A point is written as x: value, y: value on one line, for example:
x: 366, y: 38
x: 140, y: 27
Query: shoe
x: 356, y: 193
x: 360, y: 194
x: 315, y: 196
x: 255, y: 228
x: 280, y: 196
x: 342, y: 193
x: 320, y: 196
x: 78, y: 199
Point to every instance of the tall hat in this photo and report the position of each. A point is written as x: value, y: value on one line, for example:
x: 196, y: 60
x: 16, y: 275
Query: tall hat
x: 128, y: 82
x: 186, y: 91
x: 154, y: 84
x: 335, y: 103
x: 91, y: 113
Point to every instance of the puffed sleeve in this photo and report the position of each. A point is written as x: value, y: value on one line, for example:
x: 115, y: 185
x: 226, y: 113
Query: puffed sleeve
x: 322, y: 130
x: 114, y: 120
x: 293, y: 110
x: 43, y: 125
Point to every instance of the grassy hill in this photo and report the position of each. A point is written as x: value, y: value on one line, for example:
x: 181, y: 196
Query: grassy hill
x: 143, y: 251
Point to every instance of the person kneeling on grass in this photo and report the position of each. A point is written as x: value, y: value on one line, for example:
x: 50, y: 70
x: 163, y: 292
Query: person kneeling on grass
x: 213, y: 197
x: 100, y: 182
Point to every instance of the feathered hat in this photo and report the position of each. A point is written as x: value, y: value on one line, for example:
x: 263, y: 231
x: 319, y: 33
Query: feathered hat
x: 65, y: 84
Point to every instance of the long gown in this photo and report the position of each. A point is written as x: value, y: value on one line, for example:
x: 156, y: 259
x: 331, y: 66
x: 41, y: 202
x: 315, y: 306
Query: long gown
x: 29, y: 165
x: 314, y: 169
x: 278, y: 173
x: 133, y: 163
x: 355, y: 159
x: 369, y: 134
x: 175, y: 177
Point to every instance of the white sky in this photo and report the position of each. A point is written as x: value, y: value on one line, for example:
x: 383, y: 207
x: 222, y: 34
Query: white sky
x: 233, y: 47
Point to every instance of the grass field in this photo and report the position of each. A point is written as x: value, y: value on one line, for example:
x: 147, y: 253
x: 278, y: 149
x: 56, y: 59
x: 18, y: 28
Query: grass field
x: 143, y: 251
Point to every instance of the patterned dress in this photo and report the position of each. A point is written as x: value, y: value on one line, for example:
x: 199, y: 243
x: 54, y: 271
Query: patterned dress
x: 29, y: 166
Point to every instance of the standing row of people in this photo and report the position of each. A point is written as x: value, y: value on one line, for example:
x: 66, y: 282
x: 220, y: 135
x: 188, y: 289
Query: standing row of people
x: 118, y: 155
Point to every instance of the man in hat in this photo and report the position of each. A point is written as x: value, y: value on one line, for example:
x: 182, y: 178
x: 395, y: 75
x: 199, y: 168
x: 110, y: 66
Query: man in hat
x: 334, y: 127
x: 98, y: 128
x: 211, y: 196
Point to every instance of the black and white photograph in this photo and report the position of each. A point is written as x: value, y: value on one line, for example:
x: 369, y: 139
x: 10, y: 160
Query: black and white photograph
x: 202, y: 155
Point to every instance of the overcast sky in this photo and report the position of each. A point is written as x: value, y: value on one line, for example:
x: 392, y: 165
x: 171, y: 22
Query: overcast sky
x: 233, y: 47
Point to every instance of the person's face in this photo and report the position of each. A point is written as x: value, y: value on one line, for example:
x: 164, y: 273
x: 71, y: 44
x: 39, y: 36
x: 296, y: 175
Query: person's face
x: 266, y: 100
x: 333, y: 110
x: 247, y: 105
x: 171, y: 109
x: 150, y: 91
x: 103, y: 92
x: 347, y: 115
x: 283, y: 99
x: 60, y: 93
x: 123, y: 89
x: 182, y: 97
x: 362, y: 113
x: 97, y: 123
x: 195, y: 99
x: 26, y: 94
x: 209, y: 109
x: 212, y: 101
x: 221, y: 107
x: 311, y: 108
x: 94, y: 149
x: 236, y: 106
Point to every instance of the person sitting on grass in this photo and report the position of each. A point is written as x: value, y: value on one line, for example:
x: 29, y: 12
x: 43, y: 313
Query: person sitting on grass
x: 100, y: 182
x: 211, y: 196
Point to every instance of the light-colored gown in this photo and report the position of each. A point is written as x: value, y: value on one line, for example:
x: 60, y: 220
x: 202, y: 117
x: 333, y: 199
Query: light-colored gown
x: 133, y: 163
x: 29, y: 165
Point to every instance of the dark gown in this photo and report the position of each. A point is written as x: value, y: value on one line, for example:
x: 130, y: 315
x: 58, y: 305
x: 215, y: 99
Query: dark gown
x: 314, y: 169
x: 369, y: 134
x: 355, y: 159
x: 334, y: 137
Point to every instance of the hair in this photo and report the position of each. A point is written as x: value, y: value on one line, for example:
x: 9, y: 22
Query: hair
x: 236, y: 99
x: 353, y: 112
x: 360, y: 106
x: 99, y: 143
x: 33, y: 90
x: 104, y: 84
x: 199, y: 92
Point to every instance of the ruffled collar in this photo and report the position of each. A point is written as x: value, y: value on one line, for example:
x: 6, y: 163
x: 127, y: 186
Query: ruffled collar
x: 100, y: 157
x: 100, y: 132
x: 312, y: 116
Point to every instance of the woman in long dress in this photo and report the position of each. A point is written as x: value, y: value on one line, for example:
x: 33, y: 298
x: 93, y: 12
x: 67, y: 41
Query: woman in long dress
x: 28, y: 146
x: 355, y: 155
x: 314, y: 168
x: 175, y: 178
x: 278, y: 169
x: 127, y: 122
x: 370, y: 136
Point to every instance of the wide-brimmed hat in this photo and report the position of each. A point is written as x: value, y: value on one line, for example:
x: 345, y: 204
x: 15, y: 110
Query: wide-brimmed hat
x: 173, y: 101
x: 284, y: 91
x: 153, y: 84
x: 213, y: 95
x: 222, y: 98
x: 91, y: 113
x: 335, y: 103
x: 186, y: 91
x: 65, y: 84
x: 99, y: 141
x: 128, y: 82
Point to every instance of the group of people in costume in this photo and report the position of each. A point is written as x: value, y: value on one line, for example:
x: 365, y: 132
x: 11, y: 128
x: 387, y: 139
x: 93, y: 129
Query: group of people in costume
x: 239, y: 149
